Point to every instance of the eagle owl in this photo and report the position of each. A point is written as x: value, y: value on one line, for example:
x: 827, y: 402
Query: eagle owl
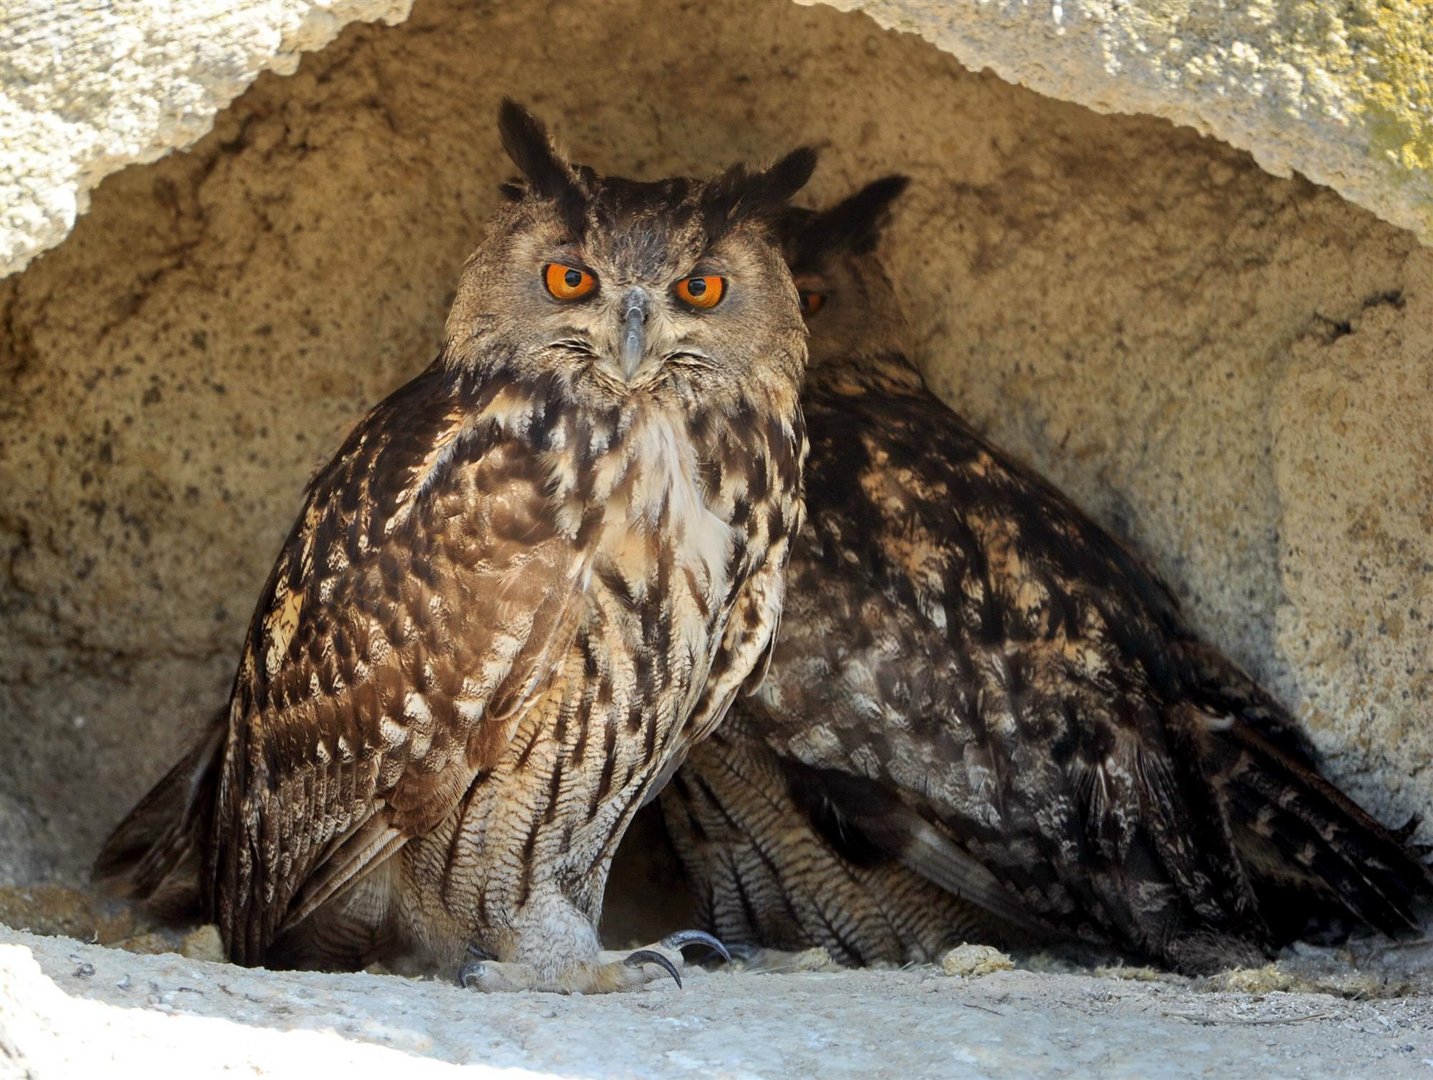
x: 529, y: 580
x: 984, y: 718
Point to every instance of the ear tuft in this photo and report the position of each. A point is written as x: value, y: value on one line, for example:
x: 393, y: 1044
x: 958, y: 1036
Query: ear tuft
x: 739, y: 194
x: 859, y: 220
x: 784, y: 179
x: 548, y: 176
x: 853, y: 225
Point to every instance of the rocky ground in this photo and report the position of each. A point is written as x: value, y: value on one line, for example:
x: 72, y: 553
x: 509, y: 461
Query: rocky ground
x: 69, y: 1008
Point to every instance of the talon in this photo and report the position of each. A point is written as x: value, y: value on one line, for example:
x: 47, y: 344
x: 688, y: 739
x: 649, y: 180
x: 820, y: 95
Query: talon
x: 479, y: 952
x: 649, y: 956
x: 470, y: 973
x: 682, y: 938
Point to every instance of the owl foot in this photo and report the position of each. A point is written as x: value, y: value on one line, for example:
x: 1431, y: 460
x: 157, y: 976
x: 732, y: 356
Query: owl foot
x: 610, y: 973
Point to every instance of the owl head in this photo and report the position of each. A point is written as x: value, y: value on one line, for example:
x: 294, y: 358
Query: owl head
x: 846, y: 296
x: 625, y: 289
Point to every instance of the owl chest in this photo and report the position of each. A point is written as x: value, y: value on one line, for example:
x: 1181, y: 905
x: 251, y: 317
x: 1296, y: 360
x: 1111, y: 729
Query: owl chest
x: 664, y: 551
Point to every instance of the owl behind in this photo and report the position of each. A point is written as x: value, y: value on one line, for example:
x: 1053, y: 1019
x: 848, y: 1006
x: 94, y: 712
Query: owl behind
x: 985, y: 718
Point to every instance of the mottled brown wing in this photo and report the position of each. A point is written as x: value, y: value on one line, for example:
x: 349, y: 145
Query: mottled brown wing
x: 1314, y: 855
x: 416, y: 605
x: 957, y: 633
x: 974, y: 678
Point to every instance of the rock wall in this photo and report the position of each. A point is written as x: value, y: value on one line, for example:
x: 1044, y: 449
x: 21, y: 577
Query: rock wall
x: 86, y: 89
x: 1230, y: 369
x: 1339, y: 92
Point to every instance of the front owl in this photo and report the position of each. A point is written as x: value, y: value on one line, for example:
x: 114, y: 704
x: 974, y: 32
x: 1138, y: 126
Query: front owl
x: 531, y: 578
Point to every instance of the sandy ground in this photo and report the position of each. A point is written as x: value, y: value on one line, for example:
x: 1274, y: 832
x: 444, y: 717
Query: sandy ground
x: 74, y: 1009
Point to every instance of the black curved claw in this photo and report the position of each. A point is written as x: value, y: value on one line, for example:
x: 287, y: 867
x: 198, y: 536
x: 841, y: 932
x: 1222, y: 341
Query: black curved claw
x: 650, y: 956
x: 470, y: 973
x: 682, y: 938
x: 473, y: 969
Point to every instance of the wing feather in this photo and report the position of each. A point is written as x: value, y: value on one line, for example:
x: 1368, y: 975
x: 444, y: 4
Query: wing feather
x: 415, y: 609
x: 347, y: 861
x: 959, y: 634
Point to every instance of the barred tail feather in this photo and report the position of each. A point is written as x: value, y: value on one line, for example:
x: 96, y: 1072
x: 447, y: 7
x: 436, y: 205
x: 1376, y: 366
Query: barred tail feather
x: 1314, y: 855
x: 765, y: 871
x: 156, y: 854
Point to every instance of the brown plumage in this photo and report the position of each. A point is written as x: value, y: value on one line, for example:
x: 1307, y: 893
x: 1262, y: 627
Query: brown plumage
x: 979, y: 694
x: 531, y: 578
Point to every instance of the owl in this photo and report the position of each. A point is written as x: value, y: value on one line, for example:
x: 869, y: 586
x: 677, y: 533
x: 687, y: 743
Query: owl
x: 530, y: 579
x: 985, y: 718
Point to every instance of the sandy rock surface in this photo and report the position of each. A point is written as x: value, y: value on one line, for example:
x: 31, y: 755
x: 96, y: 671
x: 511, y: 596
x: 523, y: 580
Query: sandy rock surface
x: 86, y: 89
x: 1233, y: 372
x: 71, y: 1009
x: 1337, y: 92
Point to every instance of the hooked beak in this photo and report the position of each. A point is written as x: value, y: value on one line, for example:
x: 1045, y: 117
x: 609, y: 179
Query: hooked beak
x: 636, y: 306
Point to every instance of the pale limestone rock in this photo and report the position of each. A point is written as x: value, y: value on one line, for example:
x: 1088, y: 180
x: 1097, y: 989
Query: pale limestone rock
x: 88, y: 88
x: 203, y: 944
x: 1338, y: 92
x: 971, y: 961
x: 73, y: 1010
x: 1352, y: 426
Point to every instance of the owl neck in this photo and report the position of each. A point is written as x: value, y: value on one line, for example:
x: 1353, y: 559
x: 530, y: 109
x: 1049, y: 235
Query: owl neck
x: 888, y: 371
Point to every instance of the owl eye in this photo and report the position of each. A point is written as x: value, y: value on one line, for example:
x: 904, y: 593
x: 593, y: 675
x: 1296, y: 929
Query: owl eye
x: 567, y: 282
x: 701, y: 292
x: 811, y: 302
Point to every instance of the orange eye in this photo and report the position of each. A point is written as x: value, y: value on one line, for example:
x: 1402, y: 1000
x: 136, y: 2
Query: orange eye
x: 701, y: 292
x: 567, y: 282
x: 811, y: 303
